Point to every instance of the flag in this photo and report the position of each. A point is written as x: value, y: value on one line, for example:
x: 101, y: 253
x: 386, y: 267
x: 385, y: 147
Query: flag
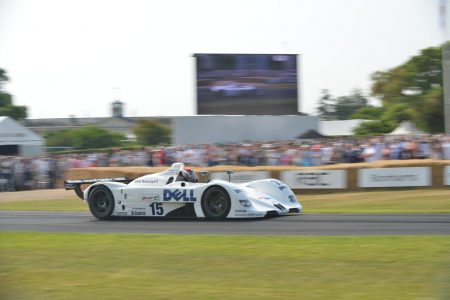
x: 443, y: 15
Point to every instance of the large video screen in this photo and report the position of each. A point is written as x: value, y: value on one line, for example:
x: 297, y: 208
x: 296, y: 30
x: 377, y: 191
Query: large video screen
x: 246, y: 84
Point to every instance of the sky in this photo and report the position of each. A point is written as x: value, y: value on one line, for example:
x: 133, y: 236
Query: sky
x: 74, y: 57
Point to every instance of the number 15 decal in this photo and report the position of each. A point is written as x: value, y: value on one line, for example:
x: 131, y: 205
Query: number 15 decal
x: 157, y: 209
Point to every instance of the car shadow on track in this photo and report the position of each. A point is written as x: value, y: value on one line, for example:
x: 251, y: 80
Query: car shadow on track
x: 188, y: 219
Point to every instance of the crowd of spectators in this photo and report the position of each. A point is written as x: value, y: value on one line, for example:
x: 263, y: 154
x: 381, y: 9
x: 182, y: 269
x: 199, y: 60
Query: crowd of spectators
x: 20, y: 173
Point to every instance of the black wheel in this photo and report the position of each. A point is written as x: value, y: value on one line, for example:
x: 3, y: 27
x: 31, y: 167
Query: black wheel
x: 101, y: 202
x: 216, y: 203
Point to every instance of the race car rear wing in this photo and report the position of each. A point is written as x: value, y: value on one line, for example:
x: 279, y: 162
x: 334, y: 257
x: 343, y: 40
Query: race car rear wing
x: 76, y: 184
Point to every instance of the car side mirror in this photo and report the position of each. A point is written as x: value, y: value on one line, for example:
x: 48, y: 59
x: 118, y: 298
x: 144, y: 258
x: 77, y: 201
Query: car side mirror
x: 204, y: 174
x: 229, y: 172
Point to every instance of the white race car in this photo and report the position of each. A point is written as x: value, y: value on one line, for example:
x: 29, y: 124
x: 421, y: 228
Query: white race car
x: 235, y: 89
x: 176, y: 192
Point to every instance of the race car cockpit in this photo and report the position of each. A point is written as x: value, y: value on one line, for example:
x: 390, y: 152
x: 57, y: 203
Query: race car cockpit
x: 187, y: 175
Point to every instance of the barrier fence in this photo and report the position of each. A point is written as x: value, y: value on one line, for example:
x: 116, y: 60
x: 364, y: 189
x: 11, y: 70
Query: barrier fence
x: 329, y: 178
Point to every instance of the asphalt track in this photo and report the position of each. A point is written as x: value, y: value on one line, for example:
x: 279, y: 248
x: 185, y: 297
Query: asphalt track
x: 303, y: 224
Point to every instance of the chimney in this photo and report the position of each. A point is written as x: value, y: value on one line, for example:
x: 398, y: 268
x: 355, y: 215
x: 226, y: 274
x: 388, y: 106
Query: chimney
x: 117, y: 109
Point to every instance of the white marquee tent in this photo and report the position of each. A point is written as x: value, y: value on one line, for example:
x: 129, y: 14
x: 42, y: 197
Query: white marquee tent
x: 405, y: 128
x: 16, y: 139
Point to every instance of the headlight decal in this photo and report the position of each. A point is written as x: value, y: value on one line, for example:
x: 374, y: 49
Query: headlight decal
x: 245, y: 202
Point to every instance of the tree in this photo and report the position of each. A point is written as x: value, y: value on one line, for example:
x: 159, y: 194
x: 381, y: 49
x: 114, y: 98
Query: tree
x: 345, y: 106
x: 325, y: 109
x: 415, y: 84
x: 374, y: 127
x: 95, y: 137
x: 88, y: 137
x: 3, y: 77
x: 368, y: 113
x: 411, y: 91
x: 7, y: 108
x: 341, y: 108
x: 398, y: 113
x: 150, y: 132
x: 433, y: 110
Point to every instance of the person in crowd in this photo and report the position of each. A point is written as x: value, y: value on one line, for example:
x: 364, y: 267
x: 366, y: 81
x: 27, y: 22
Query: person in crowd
x: 20, y: 173
x: 368, y: 153
x: 445, y: 147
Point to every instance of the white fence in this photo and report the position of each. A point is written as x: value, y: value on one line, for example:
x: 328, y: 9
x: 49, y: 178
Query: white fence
x: 241, y: 176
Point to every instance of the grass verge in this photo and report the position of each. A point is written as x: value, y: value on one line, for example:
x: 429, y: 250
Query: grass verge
x: 399, y: 201
x: 67, y: 205
x: 122, y: 266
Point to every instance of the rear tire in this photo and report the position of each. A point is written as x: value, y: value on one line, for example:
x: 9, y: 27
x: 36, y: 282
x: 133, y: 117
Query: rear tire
x: 101, y: 202
x: 216, y: 203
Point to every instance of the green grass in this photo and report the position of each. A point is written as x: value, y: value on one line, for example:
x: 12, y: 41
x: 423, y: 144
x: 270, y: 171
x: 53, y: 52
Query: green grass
x: 69, y: 204
x: 140, y: 266
x: 399, y: 201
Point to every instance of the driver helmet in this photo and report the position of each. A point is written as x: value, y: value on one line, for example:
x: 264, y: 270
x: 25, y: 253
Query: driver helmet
x: 189, y: 175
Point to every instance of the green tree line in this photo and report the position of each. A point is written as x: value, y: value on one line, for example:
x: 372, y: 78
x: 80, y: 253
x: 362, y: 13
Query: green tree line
x: 148, y: 133
x: 7, y: 108
x: 411, y: 91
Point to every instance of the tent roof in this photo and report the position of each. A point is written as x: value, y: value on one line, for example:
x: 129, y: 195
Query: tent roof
x: 12, y: 132
x: 310, y: 134
x: 405, y: 127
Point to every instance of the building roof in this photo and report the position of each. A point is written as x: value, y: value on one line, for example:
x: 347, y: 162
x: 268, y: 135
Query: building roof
x: 14, y: 133
x: 310, y: 134
x: 339, y: 127
x: 405, y: 127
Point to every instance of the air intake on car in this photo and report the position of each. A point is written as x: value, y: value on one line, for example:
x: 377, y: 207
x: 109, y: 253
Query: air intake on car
x: 279, y: 206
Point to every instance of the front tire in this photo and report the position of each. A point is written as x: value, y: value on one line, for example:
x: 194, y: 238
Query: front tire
x: 216, y: 203
x: 101, y: 202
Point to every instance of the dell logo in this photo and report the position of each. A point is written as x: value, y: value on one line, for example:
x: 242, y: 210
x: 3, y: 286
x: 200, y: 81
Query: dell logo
x: 183, y: 195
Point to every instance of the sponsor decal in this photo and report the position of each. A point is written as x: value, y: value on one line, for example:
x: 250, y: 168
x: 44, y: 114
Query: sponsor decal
x: 281, y: 186
x: 315, y: 179
x: 146, y: 181
x: 122, y: 213
x: 405, y: 177
x: 137, y: 213
x: 149, y: 197
x: 92, y: 180
x: 447, y: 175
x: 249, y: 215
x: 183, y: 195
x: 394, y: 177
x: 312, y: 178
